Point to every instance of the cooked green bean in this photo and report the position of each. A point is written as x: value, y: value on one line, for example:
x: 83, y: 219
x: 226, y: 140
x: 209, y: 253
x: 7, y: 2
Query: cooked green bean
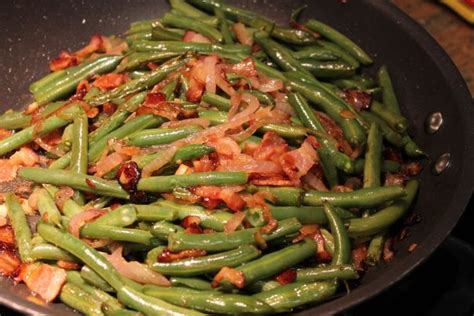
x: 168, y: 183
x: 17, y: 218
x: 215, y: 242
x: 163, y: 229
x: 207, y: 264
x: 47, y: 208
x: 80, y: 300
x: 154, y: 213
x: 388, y: 93
x: 307, y: 214
x: 342, y: 245
x: 135, y: 60
x: 367, y: 197
x: 46, y: 251
x: 193, y: 24
x: 209, y: 301
x: 74, y: 180
x: 161, y: 33
x: 327, y: 69
x: 192, y: 283
x: 80, y: 143
x: 160, y: 136
x: 122, y: 216
x: 341, y: 272
x: 101, y: 231
x: 183, y: 47
x: 94, y: 279
x: 184, y: 153
x: 373, y: 158
x: 396, y: 121
x: 317, y: 53
x: 374, y: 252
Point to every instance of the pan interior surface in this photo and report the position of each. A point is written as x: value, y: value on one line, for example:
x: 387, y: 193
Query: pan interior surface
x: 425, y: 80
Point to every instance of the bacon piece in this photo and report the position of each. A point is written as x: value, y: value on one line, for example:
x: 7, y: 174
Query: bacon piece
x: 388, y: 253
x: 359, y: 256
x: 191, y: 223
x: 286, y: 277
x: 4, y: 133
x: 63, y: 61
x: 155, y: 103
x: 227, y: 194
x: 68, y: 265
x: 6, y: 236
x: 7, y: 170
x: 25, y: 157
x: 335, y: 132
x: 244, y: 68
x: 45, y: 280
x: 109, y: 108
x: 411, y: 169
x: 10, y: 264
x: 271, y: 147
x: 110, y: 81
x: 168, y: 256
x: 233, y: 223
x: 234, y: 276
x: 358, y: 99
x: 298, y: 162
x: 95, y: 44
x: 78, y: 220
x: 109, y: 162
x: 394, y: 179
x: 194, y: 37
x: 241, y: 33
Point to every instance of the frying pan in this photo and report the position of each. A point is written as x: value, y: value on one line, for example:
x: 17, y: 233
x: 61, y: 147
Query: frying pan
x: 425, y: 80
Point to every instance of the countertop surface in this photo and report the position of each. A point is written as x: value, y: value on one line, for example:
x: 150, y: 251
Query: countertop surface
x: 454, y: 34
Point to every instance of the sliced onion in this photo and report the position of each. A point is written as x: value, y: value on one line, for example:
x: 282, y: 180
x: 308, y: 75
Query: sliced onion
x: 63, y: 195
x: 109, y: 162
x: 194, y: 37
x: 233, y: 223
x: 134, y: 270
x: 269, y: 84
x: 187, y: 122
x: 78, y: 220
x: 164, y: 158
x: 209, y: 64
x: 242, y: 35
x: 45, y: 280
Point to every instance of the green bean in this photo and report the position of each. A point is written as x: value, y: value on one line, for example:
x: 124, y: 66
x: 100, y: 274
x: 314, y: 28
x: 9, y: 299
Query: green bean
x: 94, y: 279
x: 187, y: 9
x: 317, y: 53
x: 122, y: 216
x: 388, y: 93
x: 215, y: 220
x: 411, y: 148
x: 340, y: 39
x: 46, y: 80
x: 163, y: 229
x: 74, y: 277
x: 47, y: 208
x: 141, y: 26
x: 396, y: 121
x: 154, y: 213
x: 28, y: 134
x: 46, y: 251
x: 386, y: 217
x: 277, y: 261
x: 341, y: 272
x: 374, y: 252
x: 328, y: 241
x: 152, y: 255
x: 390, y: 135
x: 146, y: 35
x: 83, y: 252
x: 291, y: 35
x: 183, y: 47
x: 149, y: 305
x: 136, y: 60
x: 337, y: 50
x: 16, y: 120
x: 290, y: 196
x: 18, y: 221
x: 207, y: 264
x: 211, y: 21
x: 224, y: 27
x: 367, y: 197
x: 139, y: 84
x: 74, y: 180
x: 333, y: 106
x: 160, y: 136
x: 79, y: 144
x: 101, y: 231
x: 168, y: 183
x: 342, y: 245
x: 278, y: 53
x: 307, y: 214
x: 373, y: 158
x: 209, y: 301
x: 80, y: 300
x: 184, y: 153
x: 262, y: 286
x: 215, y: 242
x: 122, y: 312
x: 327, y: 69
x: 292, y: 295
x: 192, y: 24
x: 192, y: 283
x: 387, y: 166
x: 67, y: 83
x: 161, y: 33
x: 169, y: 89
x: 263, y: 97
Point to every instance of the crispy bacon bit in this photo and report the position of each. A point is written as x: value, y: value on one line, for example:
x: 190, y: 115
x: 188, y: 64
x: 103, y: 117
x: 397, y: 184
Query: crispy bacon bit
x: 359, y: 256
x: 411, y: 169
x: 357, y: 99
x: 95, y: 44
x: 270, y: 85
x: 9, y: 262
x: 90, y: 184
x: 128, y: 176
x: 187, y: 122
x: 260, y: 241
x: 168, y: 256
x: 92, y: 112
x: 65, y: 60
x: 25, y: 157
x: 45, y: 280
x: 109, y: 108
x: 391, y: 153
x: 347, y: 114
x: 322, y: 255
x: 388, y: 253
x: 245, y: 68
x: 412, y: 247
x: 233, y: 223
x: 82, y: 88
x: 412, y: 219
x: 298, y: 162
x: 7, y: 170
x: 191, y: 223
x: 194, y: 37
x: 109, y: 162
x: 110, y: 81
x: 4, y: 133
x: 394, y: 179
x: 404, y: 233
x: 286, y: 277
x: 6, y: 236
x: 234, y: 276
x: 227, y: 194
x: 335, y: 132
x: 342, y: 188
x: 271, y: 147
x: 68, y: 265
x: 156, y: 104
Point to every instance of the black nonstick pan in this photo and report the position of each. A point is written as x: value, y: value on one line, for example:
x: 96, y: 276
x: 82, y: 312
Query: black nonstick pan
x: 425, y: 79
